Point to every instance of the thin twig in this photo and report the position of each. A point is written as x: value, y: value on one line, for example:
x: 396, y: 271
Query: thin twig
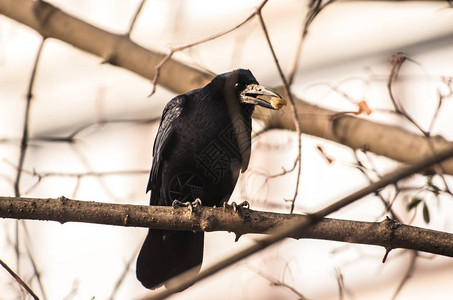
x: 42, y: 175
x: 397, y: 61
x: 123, y: 275
x: 173, y: 50
x: 315, y: 7
x: 340, y: 282
x: 298, y: 160
x: 407, y: 274
x: 134, y: 18
x: 32, y: 260
x: 19, y: 280
x: 276, y: 282
x: 24, y: 141
x: 361, y: 167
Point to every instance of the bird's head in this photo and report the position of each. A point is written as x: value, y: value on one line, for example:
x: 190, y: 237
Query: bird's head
x: 243, y: 84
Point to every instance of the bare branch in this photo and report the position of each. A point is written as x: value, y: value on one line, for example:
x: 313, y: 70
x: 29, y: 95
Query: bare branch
x: 33, y: 262
x: 388, y: 233
x: 124, y: 274
x: 340, y: 282
x: 276, y: 282
x: 192, y: 44
x: 315, y: 7
x: 18, y: 279
x: 295, y: 116
x: 397, y: 61
x: 24, y: 140
x: 24, y: 143
x: 407, y: 274
x: 134, y: 18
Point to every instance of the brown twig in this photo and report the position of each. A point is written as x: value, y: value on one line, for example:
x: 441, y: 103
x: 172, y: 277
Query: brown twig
x: 447, y: 81
x: 173, y: 50
x: 135, y: 17
x: 298, y: 160
x: 397, y: 62
x: 276, y: 282
x: 123, y: 275
x: 361, y: 167
x: 315, y: 7
x: 19, y: 280
x: 24, y: 141
x: 340, y: 282
x: 407, y: 274
x: 33, y: 262
x: 71, y: 294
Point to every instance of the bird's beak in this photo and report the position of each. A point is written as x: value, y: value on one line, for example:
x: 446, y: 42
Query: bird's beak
x: 259, y: 95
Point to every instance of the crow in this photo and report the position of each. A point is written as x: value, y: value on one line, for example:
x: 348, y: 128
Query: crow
x: 202, y: 144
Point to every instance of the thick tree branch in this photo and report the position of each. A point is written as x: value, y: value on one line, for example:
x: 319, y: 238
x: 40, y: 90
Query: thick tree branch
x: 119, y: 50
x: 388, y: 233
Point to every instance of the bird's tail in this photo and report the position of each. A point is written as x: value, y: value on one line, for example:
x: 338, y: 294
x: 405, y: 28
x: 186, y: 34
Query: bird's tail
x: 167, y: 253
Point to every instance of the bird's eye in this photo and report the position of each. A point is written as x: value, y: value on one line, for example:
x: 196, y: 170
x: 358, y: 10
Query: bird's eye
x: 239, y: 86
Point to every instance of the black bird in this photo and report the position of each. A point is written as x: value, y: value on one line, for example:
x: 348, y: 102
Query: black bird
x: 202, y: 144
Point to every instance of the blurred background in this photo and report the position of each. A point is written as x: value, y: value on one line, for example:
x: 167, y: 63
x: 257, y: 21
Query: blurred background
x: 345, y: 58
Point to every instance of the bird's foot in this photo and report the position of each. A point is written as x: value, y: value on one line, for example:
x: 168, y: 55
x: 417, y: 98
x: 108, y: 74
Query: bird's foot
x: 176, y: 204
x: 236, y: 206
x: 197, y: 202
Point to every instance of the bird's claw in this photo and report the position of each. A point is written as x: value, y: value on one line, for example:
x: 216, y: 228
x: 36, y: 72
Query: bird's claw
x: 236, y: 206
x: 244, y: 204
x: 197, y: 202
x: 176, y: 204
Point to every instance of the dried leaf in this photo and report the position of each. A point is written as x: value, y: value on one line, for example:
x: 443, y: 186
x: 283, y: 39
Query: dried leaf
x: 426, y: 217
x: 363, y: 108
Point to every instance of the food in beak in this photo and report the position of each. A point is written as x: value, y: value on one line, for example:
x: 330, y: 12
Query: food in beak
x: 277, y: 102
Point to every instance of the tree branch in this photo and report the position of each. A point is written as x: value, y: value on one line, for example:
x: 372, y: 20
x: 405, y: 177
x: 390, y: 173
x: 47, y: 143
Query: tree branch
x: 119, y: 50
x: 388, y: 233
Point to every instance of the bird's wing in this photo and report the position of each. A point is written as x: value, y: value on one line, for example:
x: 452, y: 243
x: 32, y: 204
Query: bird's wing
x: 164, y: 134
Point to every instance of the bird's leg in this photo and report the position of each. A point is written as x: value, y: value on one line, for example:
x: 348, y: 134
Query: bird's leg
x: 235, y: 206
x: 244, y: 204
x: 176, y: 204
x: 197, y: 202
x: 190, y: 205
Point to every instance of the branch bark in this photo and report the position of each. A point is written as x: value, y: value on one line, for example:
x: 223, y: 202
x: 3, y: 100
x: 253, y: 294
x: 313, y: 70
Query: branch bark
x: 388, y: 233
x: 391, y: 141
